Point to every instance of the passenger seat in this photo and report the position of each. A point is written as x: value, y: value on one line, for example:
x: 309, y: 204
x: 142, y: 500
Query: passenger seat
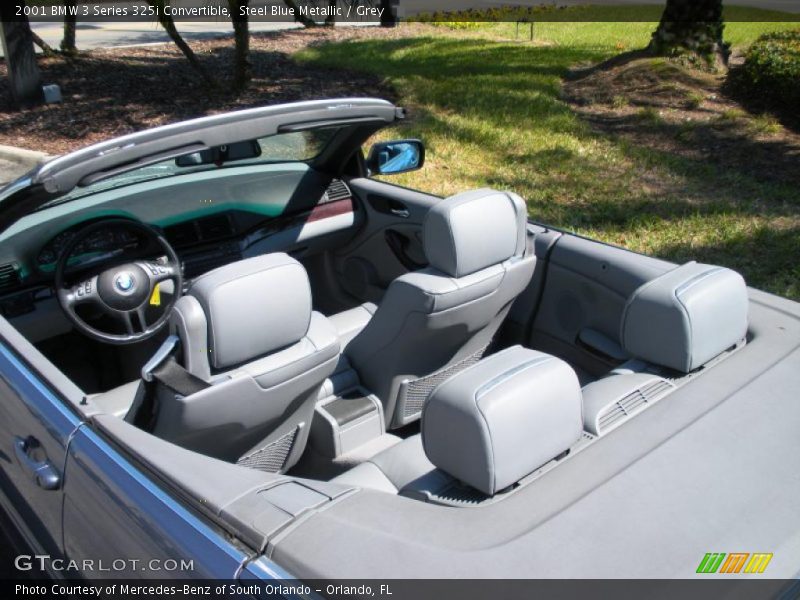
x: 434, y: 322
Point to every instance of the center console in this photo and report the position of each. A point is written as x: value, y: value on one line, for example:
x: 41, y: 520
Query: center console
x: 347, y: 416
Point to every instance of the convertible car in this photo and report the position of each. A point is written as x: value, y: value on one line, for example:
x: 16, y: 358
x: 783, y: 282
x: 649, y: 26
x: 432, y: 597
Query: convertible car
x: 229, y: 341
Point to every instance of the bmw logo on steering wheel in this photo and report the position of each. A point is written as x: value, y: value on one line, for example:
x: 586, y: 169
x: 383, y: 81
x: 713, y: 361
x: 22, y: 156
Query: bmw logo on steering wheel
x: 124, y: 282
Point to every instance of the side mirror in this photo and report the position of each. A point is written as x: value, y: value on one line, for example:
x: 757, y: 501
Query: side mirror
x: 397, y: 156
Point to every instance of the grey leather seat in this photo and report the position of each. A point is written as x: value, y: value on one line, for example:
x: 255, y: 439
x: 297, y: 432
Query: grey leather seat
x: 685, y: 317
x: 672, y: 325
x: 248, y: 330
x: 434, y: 322
x: 487, y: 427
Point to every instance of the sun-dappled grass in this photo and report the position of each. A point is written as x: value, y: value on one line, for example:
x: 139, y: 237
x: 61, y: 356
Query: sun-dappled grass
x: 490, y: 112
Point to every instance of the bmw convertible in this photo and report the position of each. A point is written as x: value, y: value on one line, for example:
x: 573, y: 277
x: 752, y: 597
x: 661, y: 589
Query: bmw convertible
x: 233, y: 344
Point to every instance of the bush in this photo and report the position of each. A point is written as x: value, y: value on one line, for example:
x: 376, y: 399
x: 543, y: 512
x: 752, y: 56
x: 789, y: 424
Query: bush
x: 772, y: 68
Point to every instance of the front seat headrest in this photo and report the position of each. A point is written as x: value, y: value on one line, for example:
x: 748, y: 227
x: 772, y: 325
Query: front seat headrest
x: 685, y: 317
x: 252, y: 307
x: 474, y: 230
x: 502, y: 418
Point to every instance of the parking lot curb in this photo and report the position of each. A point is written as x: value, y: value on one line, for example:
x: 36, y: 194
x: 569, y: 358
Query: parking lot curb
x: 14, y: 162
x: 27, y: 158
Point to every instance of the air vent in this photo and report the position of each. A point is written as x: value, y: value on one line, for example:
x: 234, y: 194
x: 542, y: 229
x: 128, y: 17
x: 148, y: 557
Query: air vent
x: 9, y: 276
x: 458, y: 494
x: 213, y: 228
x: 182, y: 234
x: 337, y: 190
x: 631, y: 403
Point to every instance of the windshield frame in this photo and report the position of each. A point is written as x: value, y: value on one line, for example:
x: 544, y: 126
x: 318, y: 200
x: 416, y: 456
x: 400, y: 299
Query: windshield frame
x: 125, y: 178
x: 56, y: 177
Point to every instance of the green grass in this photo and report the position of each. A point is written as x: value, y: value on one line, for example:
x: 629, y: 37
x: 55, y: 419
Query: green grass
x: 489, y: 110
x: 766, y: 124
x: 694, y: 100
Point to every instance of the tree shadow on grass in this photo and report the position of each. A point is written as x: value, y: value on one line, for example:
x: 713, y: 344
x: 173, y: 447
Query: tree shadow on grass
x: 501, y: 83
x: 618, y: 179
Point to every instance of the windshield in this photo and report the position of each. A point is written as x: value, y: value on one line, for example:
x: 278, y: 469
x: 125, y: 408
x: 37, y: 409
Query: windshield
x: 295, y: 146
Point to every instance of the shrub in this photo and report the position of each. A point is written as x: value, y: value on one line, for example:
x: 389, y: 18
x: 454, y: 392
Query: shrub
x: 772, y: 68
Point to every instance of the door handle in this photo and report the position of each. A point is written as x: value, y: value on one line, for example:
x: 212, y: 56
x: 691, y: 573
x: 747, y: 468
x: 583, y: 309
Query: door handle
x: 400, y: 212
x: 388, y: 206
x: 42, y: 472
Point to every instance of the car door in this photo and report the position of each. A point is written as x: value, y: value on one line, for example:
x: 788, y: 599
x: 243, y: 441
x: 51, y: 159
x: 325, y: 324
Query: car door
x: 119, y: 524
x: 35, y: 428
x: 116, y: 521
x: 390, y: 244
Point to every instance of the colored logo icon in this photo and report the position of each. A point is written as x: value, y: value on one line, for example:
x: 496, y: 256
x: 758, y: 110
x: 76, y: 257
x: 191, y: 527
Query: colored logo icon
x: 735, y: 562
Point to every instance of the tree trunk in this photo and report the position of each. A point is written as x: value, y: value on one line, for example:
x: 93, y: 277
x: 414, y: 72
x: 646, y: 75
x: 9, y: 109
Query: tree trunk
x: 168, y: 23
x: 691, y: 26
x: 47, y: 49
x: 242, y: 73
x: 388, y: 17
x: 23, y: 72
x: 70, y: 20
x: 330, y: 20
x: 302, y: 19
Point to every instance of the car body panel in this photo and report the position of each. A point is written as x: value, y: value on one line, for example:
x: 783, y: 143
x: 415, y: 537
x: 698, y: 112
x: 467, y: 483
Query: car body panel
x: 132, y: 519
x: 716, y: 466
x: 28, y: 410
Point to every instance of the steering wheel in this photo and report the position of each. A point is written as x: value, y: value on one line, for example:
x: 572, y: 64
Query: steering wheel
x: 122, y: 291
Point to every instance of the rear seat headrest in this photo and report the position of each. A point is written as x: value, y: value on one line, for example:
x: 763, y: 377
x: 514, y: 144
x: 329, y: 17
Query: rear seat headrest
x: 685, y: 317
x: 502, y: 418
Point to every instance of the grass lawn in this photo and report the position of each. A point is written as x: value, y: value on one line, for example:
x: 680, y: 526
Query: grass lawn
x: 490, y: 110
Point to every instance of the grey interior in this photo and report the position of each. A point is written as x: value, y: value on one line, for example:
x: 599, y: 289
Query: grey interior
x: 434, y: 321
x: 391, y: 384
x: 248, y: 330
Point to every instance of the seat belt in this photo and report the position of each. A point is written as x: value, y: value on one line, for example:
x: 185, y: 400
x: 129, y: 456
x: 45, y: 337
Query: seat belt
x: 174, y: 377
x: 163, y: 369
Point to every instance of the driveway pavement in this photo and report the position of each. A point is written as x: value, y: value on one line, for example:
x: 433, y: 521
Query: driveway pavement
x: 134, y: 33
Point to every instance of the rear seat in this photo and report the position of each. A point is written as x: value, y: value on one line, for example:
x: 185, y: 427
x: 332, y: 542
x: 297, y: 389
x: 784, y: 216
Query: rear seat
x: 501, y: 419
x: 672, y: 325
x: 488, y: 427
x: 685, y: 317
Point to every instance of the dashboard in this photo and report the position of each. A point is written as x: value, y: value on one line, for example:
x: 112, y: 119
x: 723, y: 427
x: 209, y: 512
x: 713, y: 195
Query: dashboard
x: 106, y: 242
x: 216, y: 234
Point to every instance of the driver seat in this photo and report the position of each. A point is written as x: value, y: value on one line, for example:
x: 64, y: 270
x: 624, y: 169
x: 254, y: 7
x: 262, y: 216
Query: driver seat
x: 249, y: 337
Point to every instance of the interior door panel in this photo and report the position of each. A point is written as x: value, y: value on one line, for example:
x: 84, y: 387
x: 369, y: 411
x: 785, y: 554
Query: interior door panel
x: 390, y: 243
x: 587, y: 286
